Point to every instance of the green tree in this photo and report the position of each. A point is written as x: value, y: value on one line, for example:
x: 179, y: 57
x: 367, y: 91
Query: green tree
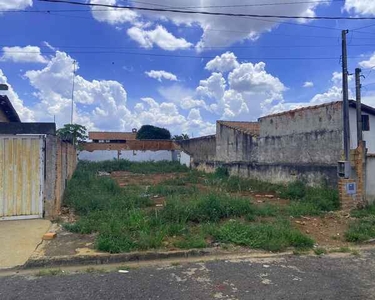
x: 149, y: 132
x: 73, y: 132
x: 181, y: 137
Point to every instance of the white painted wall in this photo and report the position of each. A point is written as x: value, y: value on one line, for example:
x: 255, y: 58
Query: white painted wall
x: 98, y: 155
x: 101, y: 155
x: 146, y: 155
x: 368, y: 136
x: 185, y: 159
x: 370, y: 175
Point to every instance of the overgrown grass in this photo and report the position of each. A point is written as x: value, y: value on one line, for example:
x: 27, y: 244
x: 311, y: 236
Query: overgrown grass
x: 124, y: 220
x: 269, y: 236
x: 148, y: 167
x: 364, y: 212
x: 361, y: 230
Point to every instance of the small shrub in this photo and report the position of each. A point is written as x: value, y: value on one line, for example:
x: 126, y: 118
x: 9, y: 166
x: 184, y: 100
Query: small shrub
x: 365, y: 212
x: 324, y: 198
x: 320, y: 251
x: 50, y: 272
x: 167, y: 190
x: 341, y: 250
x: 114, y: 243
x: 361, y: 230
x: 268, y: 210
x: 300, y: 208
x: 221, y: 172
x: 295, y: 190
x: 268, y: 236
x: 191, y: 241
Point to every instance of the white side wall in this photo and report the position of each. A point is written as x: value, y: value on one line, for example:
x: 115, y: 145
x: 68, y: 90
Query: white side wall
x: 368, y: 136
x: 185, y: 159
x: 370, y: 175
x: 146, y: 155
x: 101, y: 155
x: 98, y: 155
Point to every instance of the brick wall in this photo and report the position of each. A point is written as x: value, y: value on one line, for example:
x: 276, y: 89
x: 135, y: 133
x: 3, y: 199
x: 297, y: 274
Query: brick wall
x: 358, y: 163
x: 142, y: 145
x: 61, y: 161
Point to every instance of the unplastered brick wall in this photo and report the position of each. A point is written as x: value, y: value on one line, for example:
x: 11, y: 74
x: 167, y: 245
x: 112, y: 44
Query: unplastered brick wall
x: 358, y: 164
x: 348, y: 201
x: 60, y: 163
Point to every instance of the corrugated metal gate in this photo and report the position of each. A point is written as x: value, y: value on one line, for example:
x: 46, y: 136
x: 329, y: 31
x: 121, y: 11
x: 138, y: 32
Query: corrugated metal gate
x: 21, y: 176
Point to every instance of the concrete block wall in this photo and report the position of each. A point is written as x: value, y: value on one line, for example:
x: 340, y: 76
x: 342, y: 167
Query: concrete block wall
x: 326, y: 117
x: 200, y: 149
x: 234, y: 145
x: 320, y: 147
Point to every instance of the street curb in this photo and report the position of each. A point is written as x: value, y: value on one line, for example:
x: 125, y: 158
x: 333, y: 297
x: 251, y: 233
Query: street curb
x: 107, y: 258
x: 60, y: 261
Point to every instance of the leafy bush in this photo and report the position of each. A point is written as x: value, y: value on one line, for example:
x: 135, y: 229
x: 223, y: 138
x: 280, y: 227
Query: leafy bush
x: 221, y: 172
x: 295, y: 190
x: 361, y: 230
x: 365, y: 212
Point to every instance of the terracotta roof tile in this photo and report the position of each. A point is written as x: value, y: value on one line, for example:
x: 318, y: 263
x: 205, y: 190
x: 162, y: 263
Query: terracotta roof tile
x: 94, y: 135
x: 251, y: 128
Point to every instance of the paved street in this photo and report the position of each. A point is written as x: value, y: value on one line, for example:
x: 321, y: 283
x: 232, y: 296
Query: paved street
x: 292, y: 277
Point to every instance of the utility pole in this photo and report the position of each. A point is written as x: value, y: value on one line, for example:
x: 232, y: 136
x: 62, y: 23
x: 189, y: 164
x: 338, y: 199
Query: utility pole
x: 345, y: 94
x: 358, y: 104
x: 74, y: 77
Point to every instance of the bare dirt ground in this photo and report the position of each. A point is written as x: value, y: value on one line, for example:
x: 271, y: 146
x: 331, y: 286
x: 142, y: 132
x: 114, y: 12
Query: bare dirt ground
x: 124, y: 178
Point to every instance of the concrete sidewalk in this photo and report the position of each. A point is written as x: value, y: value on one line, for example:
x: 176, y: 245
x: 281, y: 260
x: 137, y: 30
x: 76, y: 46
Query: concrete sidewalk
x: 19, y: 240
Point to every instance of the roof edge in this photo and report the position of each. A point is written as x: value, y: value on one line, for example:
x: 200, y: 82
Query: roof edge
x: 12, y: 114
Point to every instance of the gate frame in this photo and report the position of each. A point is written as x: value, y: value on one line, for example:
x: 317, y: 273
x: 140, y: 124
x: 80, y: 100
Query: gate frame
x: 42, y: 148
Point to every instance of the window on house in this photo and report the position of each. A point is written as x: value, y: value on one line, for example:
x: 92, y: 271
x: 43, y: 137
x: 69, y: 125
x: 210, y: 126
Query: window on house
x: 365, y: 123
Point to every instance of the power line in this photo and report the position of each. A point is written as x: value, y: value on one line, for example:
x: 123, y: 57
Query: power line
x: 205, y: 47
x: 367, y: 26
x: 182, y: 56
x: 208, y: 12
x: 53, y: 12
x: 243, y: 5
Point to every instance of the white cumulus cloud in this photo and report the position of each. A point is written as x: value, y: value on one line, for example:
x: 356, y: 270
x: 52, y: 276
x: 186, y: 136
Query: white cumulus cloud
x: 308, y: 84
x: 223, y: 63
x: 15, y: 4
x: 111, y: 15
x: 370, y: 63
x: 28, y: 54
x: 161, y: 74
x: 100, y: 104
x: 246, y: 93
x: 216, y: 30
x: 365, y: 7
x: 158, y: 36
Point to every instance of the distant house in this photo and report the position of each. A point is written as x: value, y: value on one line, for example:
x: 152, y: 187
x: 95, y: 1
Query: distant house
x: 7, y: 112
x: 112, y: 137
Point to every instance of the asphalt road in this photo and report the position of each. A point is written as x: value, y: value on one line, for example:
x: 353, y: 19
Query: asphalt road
x: 291, y: 277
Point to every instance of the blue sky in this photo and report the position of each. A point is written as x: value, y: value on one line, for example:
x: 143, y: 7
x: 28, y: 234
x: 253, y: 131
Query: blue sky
x: 182, y: 72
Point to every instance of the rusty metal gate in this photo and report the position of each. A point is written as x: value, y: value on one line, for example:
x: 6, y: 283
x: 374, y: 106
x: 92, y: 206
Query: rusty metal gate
x: 21, y: 176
